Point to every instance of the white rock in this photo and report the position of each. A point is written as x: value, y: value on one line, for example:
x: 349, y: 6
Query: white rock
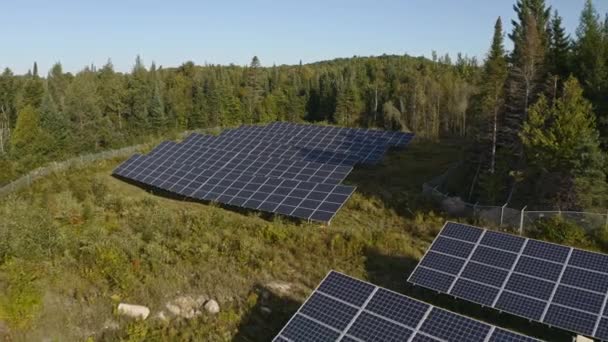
x: 162, y: 317
x: 186, y: 306
x: 279, y: 287
x: 173, y: 309
x: 265, y: 310
x: 134, y: 311
x: 212, y: 306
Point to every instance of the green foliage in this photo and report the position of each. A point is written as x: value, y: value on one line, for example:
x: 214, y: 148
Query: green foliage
x: 20, y: 297
x: 562, y: 140
x: 561, y: 231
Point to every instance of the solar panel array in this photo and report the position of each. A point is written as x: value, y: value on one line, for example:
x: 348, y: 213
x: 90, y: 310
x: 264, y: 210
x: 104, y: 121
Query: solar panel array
x: 346, y: 309
x: 290, y: 169
x: 557, y: 285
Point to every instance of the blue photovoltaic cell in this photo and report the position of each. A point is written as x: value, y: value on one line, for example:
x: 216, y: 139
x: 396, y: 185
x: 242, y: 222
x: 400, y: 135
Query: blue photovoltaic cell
x: 585, y: 279
x: 602, y: 329
x: 501, y: 335
x: 579, y: 299
x: 452, y: 247
x: 346, y: 288
x: 484, y: 274
x: 462, y: 232
x: 396, y: 307
x: 371, y: 328
x: 589, y: 260
x: 434, y: 280
x: 383, y: 316
x: 530, y: 286
x: 507, y: 242
x: 424, y: 338
x: 553, y: 284
x: 329, y: 311
x: 494, y: 257
x: 474, y: 292
x: 570, y: 319
x: 546, y: 251
x: 519, y: 305
x: 304, y: 330
x: 539, y: 268
x: 445, y: 325
x: 442, y: 262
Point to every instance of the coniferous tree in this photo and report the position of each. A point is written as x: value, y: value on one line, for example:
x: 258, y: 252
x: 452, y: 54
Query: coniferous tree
x: 33, y: 90
x: 591, y: 64
x: 562, y: 147
x: 493, y: 97
x: 558, y: 61
x: 26, y: 140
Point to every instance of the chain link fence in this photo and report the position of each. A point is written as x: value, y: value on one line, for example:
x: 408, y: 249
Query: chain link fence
x: 521, y: 220
x: 27, y: 179
x: 84, y: 160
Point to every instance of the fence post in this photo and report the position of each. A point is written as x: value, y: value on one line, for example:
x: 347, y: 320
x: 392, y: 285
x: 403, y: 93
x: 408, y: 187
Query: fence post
x: 521, y: 221
x: 502, y: 213
x: 475, y: 210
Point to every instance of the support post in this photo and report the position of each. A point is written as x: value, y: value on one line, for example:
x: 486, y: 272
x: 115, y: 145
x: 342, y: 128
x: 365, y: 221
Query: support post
x: 521, y: 221
x: 502, y: 213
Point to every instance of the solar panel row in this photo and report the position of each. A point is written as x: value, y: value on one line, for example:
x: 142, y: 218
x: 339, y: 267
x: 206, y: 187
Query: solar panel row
x: 307, y: 200
x: 553, y: 284
x: 346, y: 309
x: 256, y: 168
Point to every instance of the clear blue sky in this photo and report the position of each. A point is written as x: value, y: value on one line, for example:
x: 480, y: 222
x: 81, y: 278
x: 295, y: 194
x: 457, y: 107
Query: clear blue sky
x: 79, y: 33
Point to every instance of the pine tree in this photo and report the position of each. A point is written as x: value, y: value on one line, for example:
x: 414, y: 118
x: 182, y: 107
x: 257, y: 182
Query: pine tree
x: 24, y: 140
x: 8, y: 93
x: 493, y: 97
x: 591, y: 62
x: 524, y: 82
x: 157, y: 110
x: 562, y: 148
x: 559, y: 49
x: 139, y: 96
x: 113, y: 95
x: 541, y: 14
x: 57, y: 85
x: 33, y: 90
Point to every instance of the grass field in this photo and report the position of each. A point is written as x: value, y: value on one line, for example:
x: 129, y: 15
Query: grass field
x: 76, y: 244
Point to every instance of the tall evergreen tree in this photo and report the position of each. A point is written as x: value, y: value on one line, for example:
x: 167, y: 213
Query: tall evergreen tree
x: 493, y: 97
x: 561, y: 142
x: 558, y: 61
x: 591, y: 61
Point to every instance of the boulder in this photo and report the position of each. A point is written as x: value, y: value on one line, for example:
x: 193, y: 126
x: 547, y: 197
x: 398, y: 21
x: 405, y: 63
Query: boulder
x: 278, y: 287
x: 133, y: 311
x: 453, y: 205
x: 212, y: 307
x: 186, y: 306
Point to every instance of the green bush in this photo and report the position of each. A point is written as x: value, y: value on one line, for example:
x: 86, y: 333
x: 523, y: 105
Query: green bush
x: 561, y: 231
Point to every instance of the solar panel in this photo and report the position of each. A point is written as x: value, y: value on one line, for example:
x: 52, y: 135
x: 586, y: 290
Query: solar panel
x: 346, y: 309
x: 294, y: 170
x: 307, y: 200
x: 553, y: 284
x: 215, y: 159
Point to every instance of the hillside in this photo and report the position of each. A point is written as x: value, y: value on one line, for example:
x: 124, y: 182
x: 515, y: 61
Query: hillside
x: 74, y: 245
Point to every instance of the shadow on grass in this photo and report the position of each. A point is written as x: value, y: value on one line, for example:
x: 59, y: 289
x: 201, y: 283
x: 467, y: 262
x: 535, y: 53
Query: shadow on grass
x: 397, y: 181
x: 240, y: 210
x: 392, y: 272
x: 267, y: 317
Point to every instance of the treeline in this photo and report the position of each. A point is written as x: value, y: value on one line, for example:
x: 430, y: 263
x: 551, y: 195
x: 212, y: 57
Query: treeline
x: 46, y: 118
x: 543, y: 113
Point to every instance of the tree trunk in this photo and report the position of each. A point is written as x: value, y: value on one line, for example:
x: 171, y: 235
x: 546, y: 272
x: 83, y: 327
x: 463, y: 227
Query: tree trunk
x: 494, y: 134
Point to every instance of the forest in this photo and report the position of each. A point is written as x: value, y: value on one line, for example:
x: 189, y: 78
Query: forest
x: 535, y: 119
